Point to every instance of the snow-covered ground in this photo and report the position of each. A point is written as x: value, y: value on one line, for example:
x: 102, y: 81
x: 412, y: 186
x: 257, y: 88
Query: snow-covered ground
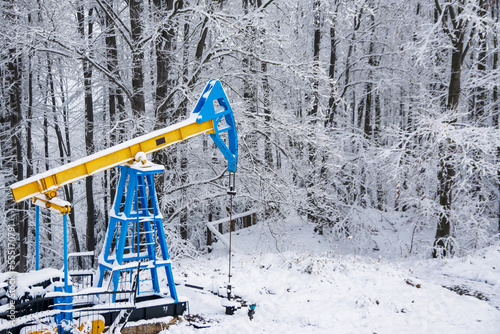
x: 302, y: 283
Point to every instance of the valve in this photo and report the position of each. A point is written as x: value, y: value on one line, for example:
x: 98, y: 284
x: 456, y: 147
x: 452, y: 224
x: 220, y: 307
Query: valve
x: 251, y: 311
x: 228, y: 303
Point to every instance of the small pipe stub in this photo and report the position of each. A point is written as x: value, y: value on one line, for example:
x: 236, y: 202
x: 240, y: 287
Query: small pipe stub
x: 232, y: 187
x: 227, y: 303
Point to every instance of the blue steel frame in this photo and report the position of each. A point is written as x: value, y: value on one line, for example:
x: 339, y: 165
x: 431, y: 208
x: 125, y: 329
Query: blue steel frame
x: 140, y: 210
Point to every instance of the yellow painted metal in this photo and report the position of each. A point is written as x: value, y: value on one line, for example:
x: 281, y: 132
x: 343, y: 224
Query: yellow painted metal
x: 53, y: 204
x: 49, y: 182
x: 86, y: 325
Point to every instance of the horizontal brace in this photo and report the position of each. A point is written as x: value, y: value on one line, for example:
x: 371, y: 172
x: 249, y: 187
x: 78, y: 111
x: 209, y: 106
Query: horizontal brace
x: 240, y: 215
x: 224, y: 129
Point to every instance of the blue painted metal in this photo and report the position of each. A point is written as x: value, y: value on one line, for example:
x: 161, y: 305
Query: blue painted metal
x: 214, y: 105
x: 37, y: 238
x: 136, y: 229
x: 65, y: 236
x: 65, y: 304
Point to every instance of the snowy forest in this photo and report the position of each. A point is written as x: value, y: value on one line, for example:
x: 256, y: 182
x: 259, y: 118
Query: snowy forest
x: 355, y: 116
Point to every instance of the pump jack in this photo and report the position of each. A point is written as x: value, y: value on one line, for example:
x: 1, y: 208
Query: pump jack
x: 135, y: 228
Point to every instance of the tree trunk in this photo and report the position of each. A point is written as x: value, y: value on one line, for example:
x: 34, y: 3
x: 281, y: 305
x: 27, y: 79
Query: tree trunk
x: 89, y: 126
x: 266, y: 91
x: 46, y: 221
x: 332, y: 105
x: 311, y: 177
x: 316, y: 48
x: 163, y: 48
x: 15, y: 69
x: 478, y: 112
x: 11, y: 144
x: 138, y: 103
x: 12, y: 155
x: 29, y: 122
x: 182, y: 110
x: 495, y: 15
x: 249, y: 90
x: 116, y: 103
x: 446, y: 174
x: 369, y: 118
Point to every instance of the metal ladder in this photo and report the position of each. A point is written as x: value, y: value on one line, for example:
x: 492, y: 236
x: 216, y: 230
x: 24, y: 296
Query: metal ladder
x: 135, y: 231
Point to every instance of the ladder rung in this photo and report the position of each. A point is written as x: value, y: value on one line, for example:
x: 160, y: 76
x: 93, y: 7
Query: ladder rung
x: 161, y: 263
x: 140, y: 244
x: 133, y: 257
x: 147, y: 291
x: 141, y: 233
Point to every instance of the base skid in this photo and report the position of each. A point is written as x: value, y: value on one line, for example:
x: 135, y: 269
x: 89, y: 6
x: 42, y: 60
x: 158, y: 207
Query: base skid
x: 151, y: 307
x: 146, y: 308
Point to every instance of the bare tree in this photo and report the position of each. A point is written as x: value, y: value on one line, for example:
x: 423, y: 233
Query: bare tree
x: 456, y: 27
x: 138, y: 102
x: 85, y: 35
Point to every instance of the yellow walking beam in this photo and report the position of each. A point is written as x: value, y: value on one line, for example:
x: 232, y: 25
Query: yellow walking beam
x: 49, y: 182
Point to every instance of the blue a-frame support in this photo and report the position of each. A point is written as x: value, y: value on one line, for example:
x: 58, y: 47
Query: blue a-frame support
x: 135, y: 230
